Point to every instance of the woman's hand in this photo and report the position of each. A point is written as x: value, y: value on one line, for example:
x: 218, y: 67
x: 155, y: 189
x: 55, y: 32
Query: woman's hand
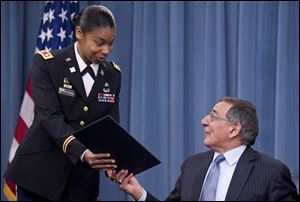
x: 100, y: 161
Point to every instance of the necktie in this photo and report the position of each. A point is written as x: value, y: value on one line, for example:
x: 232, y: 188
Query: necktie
x: 89, y: 70
x: 88, y: 77
x: 210, y: 186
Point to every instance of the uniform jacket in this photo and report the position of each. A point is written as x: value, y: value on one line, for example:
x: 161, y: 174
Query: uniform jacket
x: 47, y: 162
x: 257, y: 177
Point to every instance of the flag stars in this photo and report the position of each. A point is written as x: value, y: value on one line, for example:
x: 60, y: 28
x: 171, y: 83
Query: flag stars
x: 49, y: 34
x: 54, y: 24
x: 51, y: 15
x: 45, y: 17
x: 62, y: 34
x: 63, y: 15
x: 42, y: 36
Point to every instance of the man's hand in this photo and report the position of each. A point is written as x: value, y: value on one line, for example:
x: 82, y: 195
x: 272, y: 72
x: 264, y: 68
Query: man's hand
x: 100, y: 161
x: 127, y: 182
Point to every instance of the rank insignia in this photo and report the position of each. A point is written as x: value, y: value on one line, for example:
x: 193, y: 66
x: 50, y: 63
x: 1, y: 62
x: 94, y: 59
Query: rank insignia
x: 106, y: 97
x: 45, y: 54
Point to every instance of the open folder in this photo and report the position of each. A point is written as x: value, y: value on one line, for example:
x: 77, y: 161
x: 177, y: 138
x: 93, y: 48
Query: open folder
x: 107, y: 136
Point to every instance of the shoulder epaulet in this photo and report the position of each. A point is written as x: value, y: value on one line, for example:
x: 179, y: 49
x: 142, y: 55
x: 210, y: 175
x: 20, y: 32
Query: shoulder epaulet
x: 45, y: 54
x: 116, y: 66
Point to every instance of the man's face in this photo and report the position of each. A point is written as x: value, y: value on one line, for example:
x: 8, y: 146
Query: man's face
x: 217, y: 128
x: 95, y: 46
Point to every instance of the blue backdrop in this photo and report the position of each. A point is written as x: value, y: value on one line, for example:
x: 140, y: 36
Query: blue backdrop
x: 178, y: 59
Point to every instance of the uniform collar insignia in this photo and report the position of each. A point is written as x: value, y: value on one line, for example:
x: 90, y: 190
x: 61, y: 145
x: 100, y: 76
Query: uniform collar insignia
x: 72, y: 69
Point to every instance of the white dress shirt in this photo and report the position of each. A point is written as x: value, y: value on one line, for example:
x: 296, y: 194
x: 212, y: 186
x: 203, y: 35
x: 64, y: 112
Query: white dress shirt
x: 88, y: 81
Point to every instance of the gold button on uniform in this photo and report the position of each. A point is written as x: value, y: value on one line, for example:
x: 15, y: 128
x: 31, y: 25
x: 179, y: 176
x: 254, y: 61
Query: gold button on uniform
x: 85, y: 108
x: 81, y: 123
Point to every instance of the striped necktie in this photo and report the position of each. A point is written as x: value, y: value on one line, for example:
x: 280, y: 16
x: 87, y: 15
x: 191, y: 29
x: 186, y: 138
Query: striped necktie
x: 210, y: 186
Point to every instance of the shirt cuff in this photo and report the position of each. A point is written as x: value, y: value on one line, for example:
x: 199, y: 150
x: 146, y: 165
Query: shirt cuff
x: 81, y: 157
x: 144, y: 195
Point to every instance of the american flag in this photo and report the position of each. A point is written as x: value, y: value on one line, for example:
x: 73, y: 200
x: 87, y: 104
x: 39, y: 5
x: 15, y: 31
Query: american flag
x: 56, y: 32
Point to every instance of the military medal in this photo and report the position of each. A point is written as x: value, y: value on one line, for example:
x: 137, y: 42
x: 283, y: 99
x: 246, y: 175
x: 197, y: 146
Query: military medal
x: 106, y: 97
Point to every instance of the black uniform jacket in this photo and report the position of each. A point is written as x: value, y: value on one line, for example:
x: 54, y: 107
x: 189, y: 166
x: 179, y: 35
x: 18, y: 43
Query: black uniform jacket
x: 48, y: 159
x: 257, y: 177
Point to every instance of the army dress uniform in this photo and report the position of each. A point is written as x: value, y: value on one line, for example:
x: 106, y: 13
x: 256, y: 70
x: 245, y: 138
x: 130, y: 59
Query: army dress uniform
x: 47, y: 162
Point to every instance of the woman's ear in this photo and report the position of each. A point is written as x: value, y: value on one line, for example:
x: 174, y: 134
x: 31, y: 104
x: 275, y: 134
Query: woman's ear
x: 78, y: 33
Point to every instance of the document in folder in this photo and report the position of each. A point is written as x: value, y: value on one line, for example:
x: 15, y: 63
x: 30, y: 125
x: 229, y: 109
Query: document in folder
x: 107, y: 136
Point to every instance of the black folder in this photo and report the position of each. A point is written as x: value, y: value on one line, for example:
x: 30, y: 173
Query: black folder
x: 105, y: 135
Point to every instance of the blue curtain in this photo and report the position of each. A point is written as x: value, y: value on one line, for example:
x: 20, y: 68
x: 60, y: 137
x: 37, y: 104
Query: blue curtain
x: 178, y: 59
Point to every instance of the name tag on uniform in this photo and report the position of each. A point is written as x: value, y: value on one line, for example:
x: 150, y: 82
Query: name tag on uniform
x: 67, y: 92
x: 106, y: 97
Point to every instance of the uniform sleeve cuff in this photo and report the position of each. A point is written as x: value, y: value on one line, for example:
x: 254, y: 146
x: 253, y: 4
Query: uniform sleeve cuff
x: 81, y: 157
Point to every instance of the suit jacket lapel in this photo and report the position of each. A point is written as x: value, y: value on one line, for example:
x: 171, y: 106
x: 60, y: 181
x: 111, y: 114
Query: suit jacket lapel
x: 74, y: 76
x: 240, y: 175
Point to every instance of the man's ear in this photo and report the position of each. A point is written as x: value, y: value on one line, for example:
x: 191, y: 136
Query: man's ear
x: 235, y: 130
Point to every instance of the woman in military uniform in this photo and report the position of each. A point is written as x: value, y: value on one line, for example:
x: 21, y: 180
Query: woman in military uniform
x: 71, y: 87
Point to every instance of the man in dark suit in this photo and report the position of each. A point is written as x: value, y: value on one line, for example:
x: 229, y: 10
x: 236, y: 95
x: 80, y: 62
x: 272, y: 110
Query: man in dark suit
x: 231, y: 170
x: 71, y: 87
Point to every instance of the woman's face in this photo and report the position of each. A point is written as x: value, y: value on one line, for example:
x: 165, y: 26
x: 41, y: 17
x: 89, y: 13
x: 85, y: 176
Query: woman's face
x: 95, y: 46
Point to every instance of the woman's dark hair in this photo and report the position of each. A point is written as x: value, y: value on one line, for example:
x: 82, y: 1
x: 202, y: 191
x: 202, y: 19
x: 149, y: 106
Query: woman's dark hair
x: 93, y: 17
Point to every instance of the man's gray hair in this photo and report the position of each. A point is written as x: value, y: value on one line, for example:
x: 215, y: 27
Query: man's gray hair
x: 244, y: 113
